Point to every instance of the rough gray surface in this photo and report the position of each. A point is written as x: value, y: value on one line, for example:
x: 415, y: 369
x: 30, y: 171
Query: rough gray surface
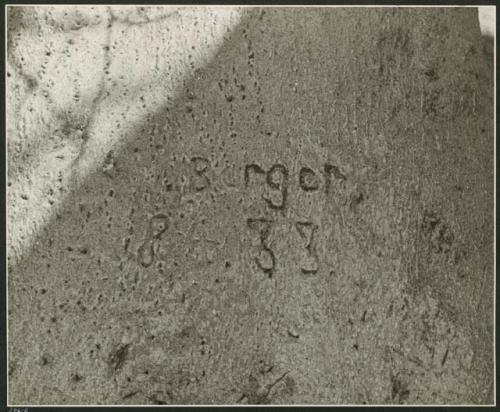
x: 304, y: 216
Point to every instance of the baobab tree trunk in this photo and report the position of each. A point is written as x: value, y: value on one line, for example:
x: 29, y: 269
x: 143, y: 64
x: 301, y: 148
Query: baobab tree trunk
x: 305, y: 217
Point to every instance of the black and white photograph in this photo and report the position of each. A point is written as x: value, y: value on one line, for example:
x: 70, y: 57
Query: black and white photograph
x: 232, y: 205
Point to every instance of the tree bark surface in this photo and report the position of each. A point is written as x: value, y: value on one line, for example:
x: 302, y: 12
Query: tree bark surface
x: 305, y: 216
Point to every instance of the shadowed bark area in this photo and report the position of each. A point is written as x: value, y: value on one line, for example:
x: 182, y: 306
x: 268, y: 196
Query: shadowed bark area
x: 310, y: 221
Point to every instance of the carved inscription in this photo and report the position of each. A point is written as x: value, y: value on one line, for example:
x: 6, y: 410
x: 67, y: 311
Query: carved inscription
x: 145, y: 253
x: 265, y: 260
x: 201, y: 166
x: 277, y: 181
x: 251, y: 170
x: 308, y: 180
x: 275, y: 185
x: 157, y: 225
x: 307, y: 231
x: 329, y: 171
